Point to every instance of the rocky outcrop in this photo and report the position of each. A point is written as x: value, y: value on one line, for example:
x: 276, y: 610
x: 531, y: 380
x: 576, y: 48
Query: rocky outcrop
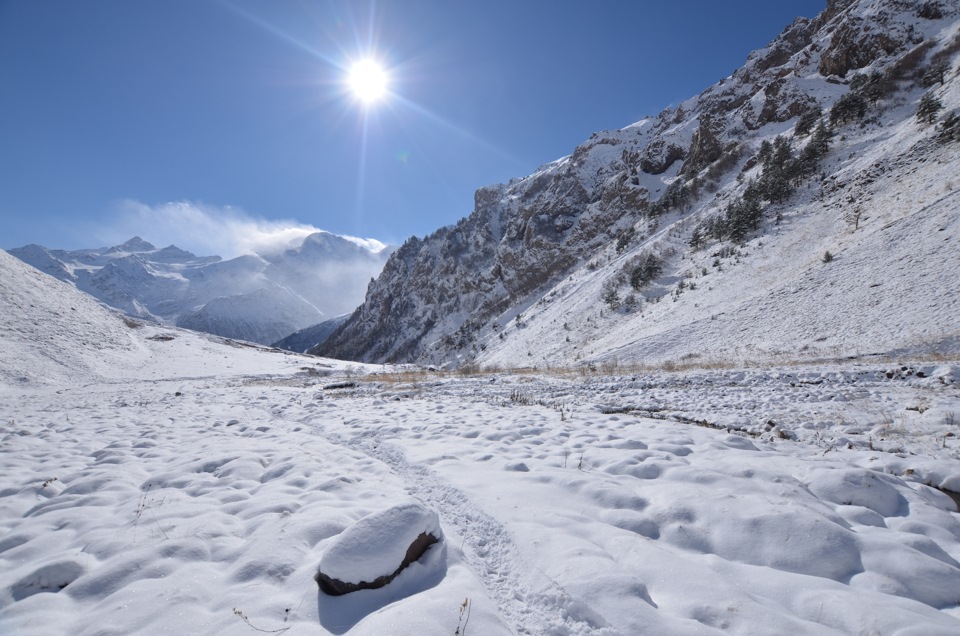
x: 435, y: 294
x: 835, y: 7
x: 705, y: 147
x: 659, y: 156
x: 336, y: 587
x: 853, y: 46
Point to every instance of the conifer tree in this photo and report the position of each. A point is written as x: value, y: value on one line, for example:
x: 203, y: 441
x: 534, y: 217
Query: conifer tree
x: 928, y: 108
x: 806, y: 121
x: 950, y: 128
x: 936, y: 74
x: 697, y: 238
x: 851, y: 106
x: 821, y: 139
x: 644, y: 269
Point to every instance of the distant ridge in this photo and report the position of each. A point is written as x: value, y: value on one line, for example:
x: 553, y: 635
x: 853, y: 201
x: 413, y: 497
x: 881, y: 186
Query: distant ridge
x: 259, y: 298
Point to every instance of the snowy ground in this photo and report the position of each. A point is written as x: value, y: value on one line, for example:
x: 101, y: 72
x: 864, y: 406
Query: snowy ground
x: 164, y: 505
x: 159, y: 481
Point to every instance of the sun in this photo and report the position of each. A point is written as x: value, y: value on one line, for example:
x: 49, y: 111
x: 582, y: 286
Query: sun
x: 368, y: 81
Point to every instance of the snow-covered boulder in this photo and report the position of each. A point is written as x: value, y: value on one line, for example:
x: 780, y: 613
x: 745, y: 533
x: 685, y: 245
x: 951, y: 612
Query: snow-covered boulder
x: 374, y: 551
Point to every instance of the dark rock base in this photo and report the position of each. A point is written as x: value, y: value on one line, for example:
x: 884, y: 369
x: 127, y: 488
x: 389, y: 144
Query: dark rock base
x: 335, y: 587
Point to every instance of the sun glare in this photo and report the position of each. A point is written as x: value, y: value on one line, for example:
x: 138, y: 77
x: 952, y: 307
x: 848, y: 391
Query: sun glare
x: 368, y: 81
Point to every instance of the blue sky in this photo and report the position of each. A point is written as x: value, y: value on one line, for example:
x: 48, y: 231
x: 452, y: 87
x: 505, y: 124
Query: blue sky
x: 213, y: 124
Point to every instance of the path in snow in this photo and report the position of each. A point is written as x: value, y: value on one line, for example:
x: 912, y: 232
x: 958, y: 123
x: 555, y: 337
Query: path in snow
x: 528, y: 599
x: 652, y: 496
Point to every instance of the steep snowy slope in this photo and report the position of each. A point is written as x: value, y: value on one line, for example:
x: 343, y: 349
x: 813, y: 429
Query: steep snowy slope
x: 698, y: 233
x: 135, y: 277
x: 888, y: 283
x: 53, y: 335
x: 135, y: 285
x: 50, y: 332
x: 263, y: 316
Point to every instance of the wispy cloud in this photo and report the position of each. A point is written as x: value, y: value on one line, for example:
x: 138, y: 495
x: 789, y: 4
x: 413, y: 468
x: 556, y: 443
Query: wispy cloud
x: 372, y: 245
x: 207, y: 229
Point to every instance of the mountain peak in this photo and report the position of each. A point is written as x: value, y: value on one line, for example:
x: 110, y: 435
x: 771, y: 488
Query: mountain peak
x: 325, y: 274
x: 136, y: 244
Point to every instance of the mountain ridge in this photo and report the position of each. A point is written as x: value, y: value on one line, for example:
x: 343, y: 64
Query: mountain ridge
x: 254, y: 297
x: 477, y: 291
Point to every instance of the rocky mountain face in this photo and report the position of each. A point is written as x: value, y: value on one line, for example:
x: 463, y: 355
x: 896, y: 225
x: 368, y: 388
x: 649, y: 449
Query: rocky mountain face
x: 260, y: 298
x: 661, y: 239
x: 310, y: 337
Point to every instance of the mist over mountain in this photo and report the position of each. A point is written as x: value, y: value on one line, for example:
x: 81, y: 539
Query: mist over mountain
x: 805, y: 206
x: 257, y: 297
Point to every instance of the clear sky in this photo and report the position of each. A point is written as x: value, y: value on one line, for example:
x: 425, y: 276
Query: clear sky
x: 214, y: 124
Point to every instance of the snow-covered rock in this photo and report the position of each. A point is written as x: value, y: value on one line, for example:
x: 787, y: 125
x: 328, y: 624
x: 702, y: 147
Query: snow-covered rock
x: 376, y: 549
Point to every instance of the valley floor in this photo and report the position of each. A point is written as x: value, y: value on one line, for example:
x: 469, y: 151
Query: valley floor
x: 795, y: 500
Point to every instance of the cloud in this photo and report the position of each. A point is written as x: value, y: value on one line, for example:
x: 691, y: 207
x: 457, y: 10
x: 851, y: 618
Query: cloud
x: 369, y: 244
x: 206, y: 229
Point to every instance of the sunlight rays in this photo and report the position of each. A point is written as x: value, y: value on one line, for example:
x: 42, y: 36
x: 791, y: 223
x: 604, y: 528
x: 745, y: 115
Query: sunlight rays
x: 283, y: 35
x: 361, y: 83
x: 460, y: 131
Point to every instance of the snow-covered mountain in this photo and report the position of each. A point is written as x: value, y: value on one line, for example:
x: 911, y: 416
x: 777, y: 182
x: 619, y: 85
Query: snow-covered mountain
x: 258, y: 297
x: 807, y: 205
x: 309, y: 337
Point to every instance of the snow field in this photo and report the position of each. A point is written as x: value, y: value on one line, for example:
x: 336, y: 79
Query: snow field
x: 168, y: 512
x: 661, y: 524
x: 128, y: 508
x: 182, y: 483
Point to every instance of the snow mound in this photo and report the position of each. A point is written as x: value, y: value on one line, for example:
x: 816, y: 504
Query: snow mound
x: 859, y: 487
x: 372, y: 552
